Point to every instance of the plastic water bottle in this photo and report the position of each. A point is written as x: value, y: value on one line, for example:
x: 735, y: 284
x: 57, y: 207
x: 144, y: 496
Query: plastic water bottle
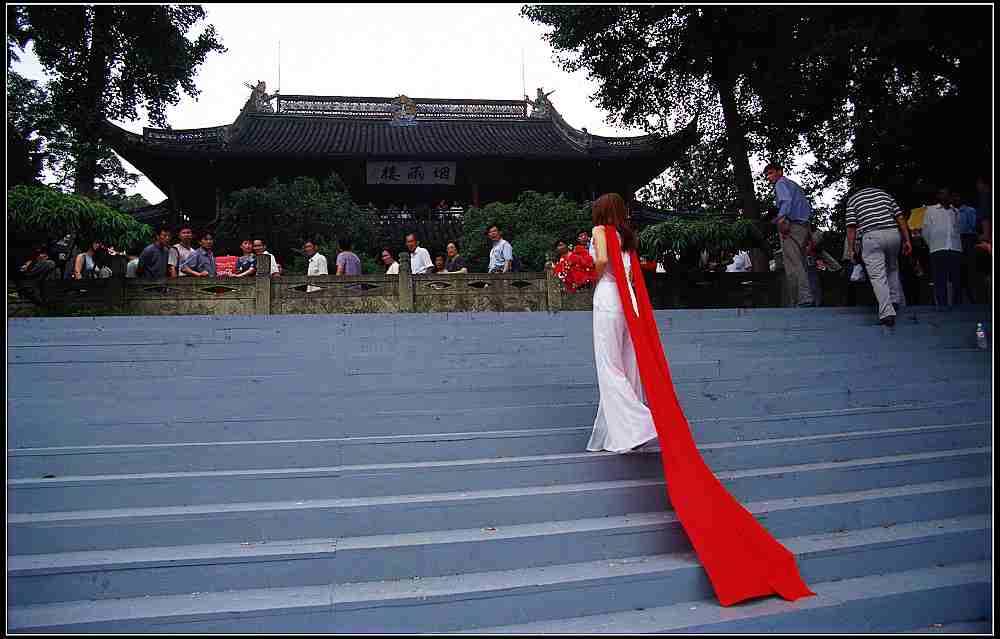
x: 980, y: 336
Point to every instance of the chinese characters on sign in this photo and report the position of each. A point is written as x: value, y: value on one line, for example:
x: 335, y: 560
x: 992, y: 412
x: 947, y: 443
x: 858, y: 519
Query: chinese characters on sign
x: 411, y: 173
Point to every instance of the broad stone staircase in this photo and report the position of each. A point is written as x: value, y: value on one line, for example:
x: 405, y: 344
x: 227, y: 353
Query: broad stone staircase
x: 427, y: 473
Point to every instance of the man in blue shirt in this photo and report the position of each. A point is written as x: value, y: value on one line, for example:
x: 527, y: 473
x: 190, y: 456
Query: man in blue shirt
x: 200, y: 263
x: 794, y: 214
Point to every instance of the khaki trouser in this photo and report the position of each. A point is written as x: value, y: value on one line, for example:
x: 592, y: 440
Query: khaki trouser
x: 793, y: 256
x: 880, y: 251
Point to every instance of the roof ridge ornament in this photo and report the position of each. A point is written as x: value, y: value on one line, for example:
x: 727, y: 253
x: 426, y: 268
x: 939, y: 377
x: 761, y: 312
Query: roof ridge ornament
x: 541, y: 106
x: 260, y: 100
x: 405, y: 111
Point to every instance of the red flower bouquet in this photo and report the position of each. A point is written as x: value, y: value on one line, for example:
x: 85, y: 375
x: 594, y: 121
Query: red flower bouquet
x: 576, y: 270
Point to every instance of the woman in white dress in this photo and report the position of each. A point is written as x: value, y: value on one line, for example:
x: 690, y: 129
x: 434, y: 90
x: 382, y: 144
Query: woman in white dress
x: 623, y: 420
x: 741, y: 558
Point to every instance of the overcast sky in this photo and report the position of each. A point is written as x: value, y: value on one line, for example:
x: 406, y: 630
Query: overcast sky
x: 423, y: 51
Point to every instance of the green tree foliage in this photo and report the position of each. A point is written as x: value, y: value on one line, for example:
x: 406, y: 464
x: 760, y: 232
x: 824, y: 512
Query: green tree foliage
x: 285, y: 214
x: 687, y: 236
x: 37, y: 214
x: 531, y: 223
x: 701, y: 180
x: 125, y: 203
x: 659, y: 65
x: 40, y: 140
x: 105, y: 61
x: 28, y: 123
x: 913, y: 99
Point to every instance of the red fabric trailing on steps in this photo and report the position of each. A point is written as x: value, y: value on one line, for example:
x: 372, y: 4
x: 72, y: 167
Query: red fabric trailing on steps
x: 741, y: 558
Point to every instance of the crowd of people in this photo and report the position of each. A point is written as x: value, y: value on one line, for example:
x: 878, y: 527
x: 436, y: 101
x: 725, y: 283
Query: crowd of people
x: 888, y: 246
x: 885, y: 246
x: 163, y: 259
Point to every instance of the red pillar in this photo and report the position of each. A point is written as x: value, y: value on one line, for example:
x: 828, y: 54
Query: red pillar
x: 475, y: 196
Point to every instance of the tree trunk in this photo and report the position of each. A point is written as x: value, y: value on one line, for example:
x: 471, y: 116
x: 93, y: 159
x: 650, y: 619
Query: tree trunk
x: 92, y: 107
x: 736, y: 144
x: 736, y: 141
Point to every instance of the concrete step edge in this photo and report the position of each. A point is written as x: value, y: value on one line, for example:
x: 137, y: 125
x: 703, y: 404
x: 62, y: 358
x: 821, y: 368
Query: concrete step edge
x: 436, y: 590
x: 460, y: 413
x: 887, y: 461
x: 699, y: 614
x: 127, y: 558
x: 465, y: 463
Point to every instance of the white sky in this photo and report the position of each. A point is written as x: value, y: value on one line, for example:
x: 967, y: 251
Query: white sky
x: 423, y: 51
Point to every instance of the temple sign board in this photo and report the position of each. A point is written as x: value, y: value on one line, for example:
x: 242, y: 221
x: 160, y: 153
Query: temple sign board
x: 410, y: 172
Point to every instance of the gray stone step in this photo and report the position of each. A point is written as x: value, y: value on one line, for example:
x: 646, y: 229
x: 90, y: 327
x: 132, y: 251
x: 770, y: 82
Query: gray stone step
x: 24, y: 380
x: 38, y: 412
x: 54, y: 492
x: 247, y: 455
x: 359, y: 325
x: 46, y: 578
x: 890, y: 602
x: 307, y: 490
x: 47, y: 532
x: 299, y: 422
x: 484, y: 373
x: 440, y: 604
x: 328, y: 350
x: 295, y: 339
x: 292, y: 328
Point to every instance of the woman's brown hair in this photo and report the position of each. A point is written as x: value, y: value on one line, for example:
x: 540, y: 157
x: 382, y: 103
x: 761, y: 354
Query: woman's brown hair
x: 609, y: 209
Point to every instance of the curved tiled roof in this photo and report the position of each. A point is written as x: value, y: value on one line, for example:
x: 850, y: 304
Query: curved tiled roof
x: 306, y: 135
x: 333, y: 135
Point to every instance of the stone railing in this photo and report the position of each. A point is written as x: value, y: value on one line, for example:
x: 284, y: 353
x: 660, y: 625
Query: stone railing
x: 263, y: 295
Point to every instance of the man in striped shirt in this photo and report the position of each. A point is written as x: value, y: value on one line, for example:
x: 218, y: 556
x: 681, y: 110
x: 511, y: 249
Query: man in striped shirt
x: 875, y: 216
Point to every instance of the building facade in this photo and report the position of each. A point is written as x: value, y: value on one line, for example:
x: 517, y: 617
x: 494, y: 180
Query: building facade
x: 394, y: 153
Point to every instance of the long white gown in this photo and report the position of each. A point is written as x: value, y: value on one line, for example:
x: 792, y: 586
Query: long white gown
x: 623, y: 421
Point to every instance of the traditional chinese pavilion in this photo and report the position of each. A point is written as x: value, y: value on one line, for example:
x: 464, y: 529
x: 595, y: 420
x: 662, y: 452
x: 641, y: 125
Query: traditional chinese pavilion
x: 395, y: 152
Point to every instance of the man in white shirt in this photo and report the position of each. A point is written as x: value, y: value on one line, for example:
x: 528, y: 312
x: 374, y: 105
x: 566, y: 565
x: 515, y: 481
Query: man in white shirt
x: 502, y: 253
x: 180, y: 252
x: 941, y: 232
x: 420, y: 259
x: 260, y: 248
x: 316, y: 264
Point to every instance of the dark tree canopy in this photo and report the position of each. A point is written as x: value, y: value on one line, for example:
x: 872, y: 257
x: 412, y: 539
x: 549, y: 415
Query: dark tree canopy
x: 28, y: 122
x: 889, y: 95
x: 657, y: 66
x: 106, y: 61
x: 915, y: 105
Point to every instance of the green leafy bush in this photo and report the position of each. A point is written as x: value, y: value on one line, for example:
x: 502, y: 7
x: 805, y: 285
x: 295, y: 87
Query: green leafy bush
x: 531, y: 223
x: 36, y: 214
x: 285, y: 214
x: 683, y: 234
